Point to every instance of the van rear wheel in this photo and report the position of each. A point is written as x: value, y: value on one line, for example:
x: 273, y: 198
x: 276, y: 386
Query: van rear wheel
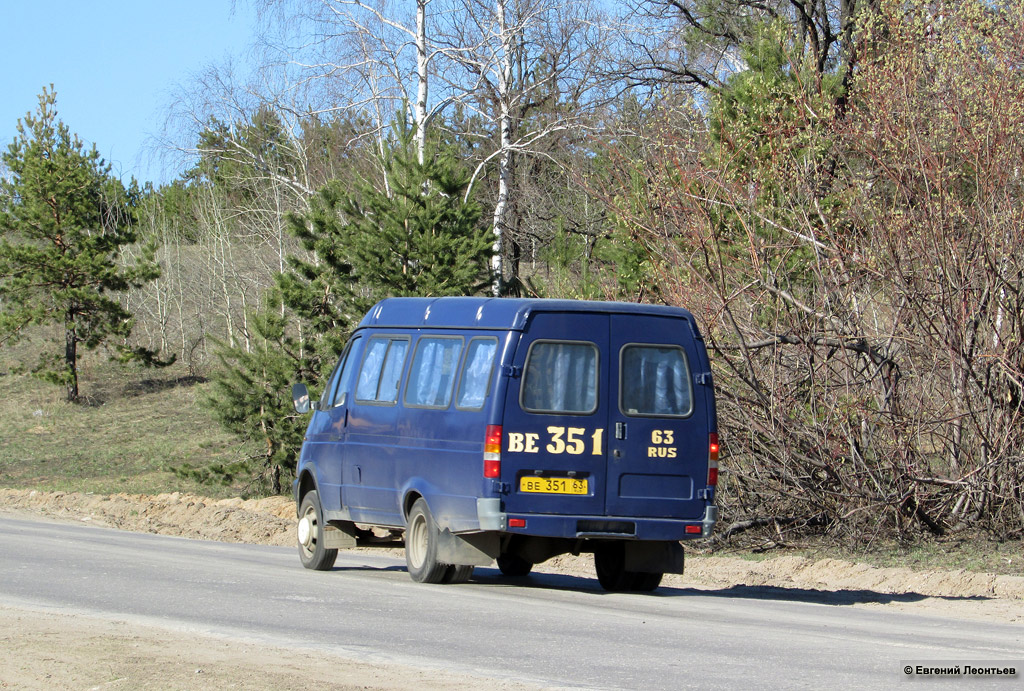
x: 646, y: 582
x: 311, y: 535
x: 421, y: 538
x: 610, y: 564
x: 514, y: 566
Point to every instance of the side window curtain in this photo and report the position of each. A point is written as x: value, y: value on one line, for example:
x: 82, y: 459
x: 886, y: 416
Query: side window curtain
x: 476, y: 373
x: 560, y: 378
x: 655, y: 381
x: 369, y: 375
x: 432, y: 374
x: 387, y: 392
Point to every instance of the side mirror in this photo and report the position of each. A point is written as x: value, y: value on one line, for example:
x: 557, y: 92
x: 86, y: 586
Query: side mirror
x: 300, y: 398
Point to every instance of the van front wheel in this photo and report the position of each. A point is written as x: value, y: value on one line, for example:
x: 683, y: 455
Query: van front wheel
x: 311, y: 535
x: 421, y: 538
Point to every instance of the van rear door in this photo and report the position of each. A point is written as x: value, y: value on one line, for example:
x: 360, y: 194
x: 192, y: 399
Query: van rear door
x: 556, y: 416
x: 658, y: 445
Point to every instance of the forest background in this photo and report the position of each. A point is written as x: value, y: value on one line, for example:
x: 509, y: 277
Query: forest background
x: 832, y: 188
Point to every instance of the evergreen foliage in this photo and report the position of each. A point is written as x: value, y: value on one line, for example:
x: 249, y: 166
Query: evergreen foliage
x: 419, y: 236
x: 772, y: 141
x: 63, y: 222
x: 423, y: 239
x: 251, y: 397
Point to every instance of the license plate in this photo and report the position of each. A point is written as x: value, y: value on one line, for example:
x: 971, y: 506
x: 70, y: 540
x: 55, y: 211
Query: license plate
x: 553, y: 485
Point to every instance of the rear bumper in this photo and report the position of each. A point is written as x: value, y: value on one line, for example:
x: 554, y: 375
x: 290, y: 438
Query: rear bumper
x: 598, y: 527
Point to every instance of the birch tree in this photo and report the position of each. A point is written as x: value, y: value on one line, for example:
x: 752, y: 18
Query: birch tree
x: 518, y: 58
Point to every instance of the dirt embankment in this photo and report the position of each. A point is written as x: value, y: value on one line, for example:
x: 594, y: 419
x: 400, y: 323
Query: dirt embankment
x: 272, y: 521
x: 257, y: 521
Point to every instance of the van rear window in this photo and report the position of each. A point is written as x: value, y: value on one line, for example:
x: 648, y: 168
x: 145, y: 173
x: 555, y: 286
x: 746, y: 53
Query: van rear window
x: 655, y: 380
x: 560, y: 377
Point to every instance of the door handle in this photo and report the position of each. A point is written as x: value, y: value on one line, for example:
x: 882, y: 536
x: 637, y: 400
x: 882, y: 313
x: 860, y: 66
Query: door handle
x: 620, y: 430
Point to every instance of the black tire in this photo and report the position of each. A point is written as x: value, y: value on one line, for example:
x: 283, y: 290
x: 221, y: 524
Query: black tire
x: 457, y: 574
x: 311, y: 535
x: 514, y: 566
x: 645, y: 582
x: 421, y: 546
x: 610, y: 564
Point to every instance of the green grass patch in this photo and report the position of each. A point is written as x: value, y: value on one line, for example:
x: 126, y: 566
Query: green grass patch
x: 132, y: 426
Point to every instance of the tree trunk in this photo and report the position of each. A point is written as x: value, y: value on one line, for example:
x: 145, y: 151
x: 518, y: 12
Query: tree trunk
x: 505, y: 161
x: 71, y: 355
x: 421, y: 79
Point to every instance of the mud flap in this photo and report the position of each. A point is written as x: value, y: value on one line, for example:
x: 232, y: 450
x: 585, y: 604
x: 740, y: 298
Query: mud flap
x: 654, y: 557
x: 470, y: 549
x: 341, y: 535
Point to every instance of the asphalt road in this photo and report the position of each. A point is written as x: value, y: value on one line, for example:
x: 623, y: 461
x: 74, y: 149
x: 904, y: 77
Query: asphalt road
x: 548, y: 629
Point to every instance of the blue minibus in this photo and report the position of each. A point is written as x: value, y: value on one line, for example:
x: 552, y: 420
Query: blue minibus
x: 510, y: 430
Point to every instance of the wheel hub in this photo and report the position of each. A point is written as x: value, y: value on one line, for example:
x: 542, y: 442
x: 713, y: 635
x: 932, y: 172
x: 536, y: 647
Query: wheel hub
x: 305, y: 531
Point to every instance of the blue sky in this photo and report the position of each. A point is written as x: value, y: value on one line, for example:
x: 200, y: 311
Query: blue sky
x: 115, y: 65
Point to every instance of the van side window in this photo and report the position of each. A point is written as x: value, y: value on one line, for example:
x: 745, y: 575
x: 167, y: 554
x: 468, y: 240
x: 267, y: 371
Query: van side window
x: 655, y: 380
x: 340, y: 378
x: 476, y: 373
x: 381, y: 370
x: 348, y: 370
x: 432, y: 374
x: 327, y: 396
x: 560, y: 377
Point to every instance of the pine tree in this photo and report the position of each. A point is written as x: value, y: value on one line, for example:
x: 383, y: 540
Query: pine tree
x: 63, y: 221
x: 425, y: 239
x: 420, y: 237
x: 251, y: 397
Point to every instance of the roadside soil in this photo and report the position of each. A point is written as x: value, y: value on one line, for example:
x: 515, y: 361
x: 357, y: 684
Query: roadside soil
x: 100, y: 653
x: 47, y: 650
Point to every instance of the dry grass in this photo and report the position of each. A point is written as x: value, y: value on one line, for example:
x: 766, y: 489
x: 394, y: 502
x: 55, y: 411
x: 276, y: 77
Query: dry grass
x: 131, y: 427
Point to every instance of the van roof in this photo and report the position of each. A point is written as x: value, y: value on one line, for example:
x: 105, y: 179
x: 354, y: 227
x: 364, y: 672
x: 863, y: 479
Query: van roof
x: 497, y: 313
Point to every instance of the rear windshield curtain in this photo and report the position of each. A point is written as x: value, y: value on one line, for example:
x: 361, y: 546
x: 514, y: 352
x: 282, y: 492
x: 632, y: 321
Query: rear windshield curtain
x: 560, y: 377
x: 655, y: 381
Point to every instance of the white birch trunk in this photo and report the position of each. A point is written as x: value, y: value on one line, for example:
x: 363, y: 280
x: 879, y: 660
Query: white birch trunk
x: 505, y: 158
x: 421, y: 79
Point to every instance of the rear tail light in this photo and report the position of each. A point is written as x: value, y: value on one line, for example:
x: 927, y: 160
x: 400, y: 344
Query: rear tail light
x: 492, y: 451
x: 713, y: 459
